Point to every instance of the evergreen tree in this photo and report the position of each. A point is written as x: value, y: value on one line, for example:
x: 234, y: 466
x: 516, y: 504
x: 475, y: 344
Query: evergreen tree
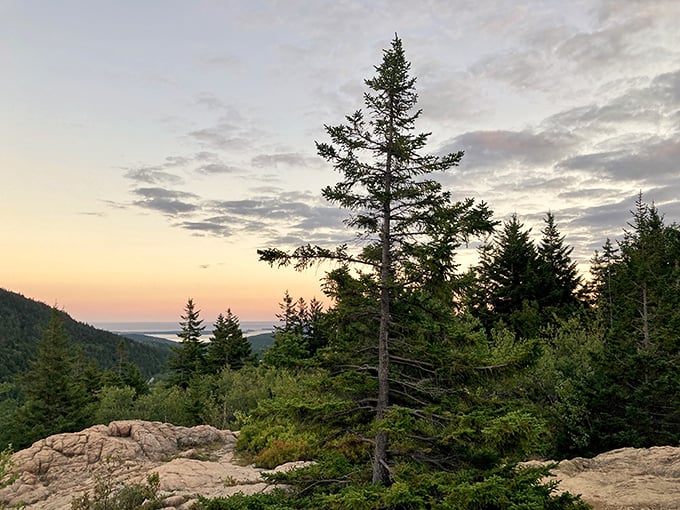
x: 634, y: 396
x: 412, y: 385
x: 290, y: 345
x: 228, y: 347
x: 508, y: 281
x: 292, y: 315
x: 124, y: 373
x: 600, y: 288
x: 315, y: 329
x: 408, y: 223
x: 647, y: 278
x: 559, y: 278
x: 55, y: 387
x: 122, y: 357
x: 301, y: 323
x: 188, y: 358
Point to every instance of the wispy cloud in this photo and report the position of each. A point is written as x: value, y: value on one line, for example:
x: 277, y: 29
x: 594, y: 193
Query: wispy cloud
x: 208, y: 227
x: 165, y: 201
x: 289, y: 159
x: 152, y: 175
x: 493, y: 148
x: 216, y: 168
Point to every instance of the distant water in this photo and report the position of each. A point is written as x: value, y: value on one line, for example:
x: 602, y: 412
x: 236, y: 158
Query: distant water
x: 169, y: 330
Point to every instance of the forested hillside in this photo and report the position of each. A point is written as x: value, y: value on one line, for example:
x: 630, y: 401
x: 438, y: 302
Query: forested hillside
x: 23, y: 320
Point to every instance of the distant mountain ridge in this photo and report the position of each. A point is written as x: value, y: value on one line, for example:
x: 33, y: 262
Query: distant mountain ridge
x: 22, y: 321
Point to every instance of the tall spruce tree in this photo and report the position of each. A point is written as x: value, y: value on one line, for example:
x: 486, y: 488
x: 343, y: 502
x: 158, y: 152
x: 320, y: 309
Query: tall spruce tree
x: 289, y: 319
x: 188, y: 358
x: 290, y: 347
x: 559, y: 278
x: 600, y: 288
x: 634, y: 398
x: 228, y: 347
x: 301, y: 324
x: 314, y: 330
x: 56, y: 396
x: 124, y: 373
x: 409, y: 225
x: 507, y: 286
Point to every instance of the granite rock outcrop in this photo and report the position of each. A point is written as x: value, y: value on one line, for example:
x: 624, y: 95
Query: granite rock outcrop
x: 188, y: 460
x: 192, y: 461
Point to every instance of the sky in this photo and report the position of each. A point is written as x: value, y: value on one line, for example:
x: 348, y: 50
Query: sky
x: 148, y: 149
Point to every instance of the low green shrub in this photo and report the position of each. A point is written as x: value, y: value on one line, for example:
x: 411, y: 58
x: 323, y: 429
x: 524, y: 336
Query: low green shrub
x: 6, y: 465
x: 110, y: 494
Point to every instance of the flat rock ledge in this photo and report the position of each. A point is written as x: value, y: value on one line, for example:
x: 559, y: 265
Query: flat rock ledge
x: 189, y: 462
x: 624, y: 479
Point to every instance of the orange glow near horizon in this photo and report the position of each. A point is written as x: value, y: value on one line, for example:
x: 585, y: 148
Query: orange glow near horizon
x: 134, y: 267
x: 253, y: 298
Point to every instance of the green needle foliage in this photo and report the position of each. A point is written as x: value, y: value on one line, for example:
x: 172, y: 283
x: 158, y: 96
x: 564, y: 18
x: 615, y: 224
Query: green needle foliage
x: 188, y: 358
x: 409, y: 226
x: 523, y: 286
x: 633, y: 395
x: 57, y: 389
x: 228, y: 347
x: 409, y: 403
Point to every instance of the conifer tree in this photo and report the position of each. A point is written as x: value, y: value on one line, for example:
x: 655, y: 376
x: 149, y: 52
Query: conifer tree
x: 124, y: 372
x: 507, y: 287
x: 292, y: 315
x: 188, y: 358
x: 290, y: 345
x: 634, y: 398
x: 559, y: 278
x: 315, y: 331
x: 407, y: 224
x: 600, y: 288
x: 228, y: 347
x: 56, y: 397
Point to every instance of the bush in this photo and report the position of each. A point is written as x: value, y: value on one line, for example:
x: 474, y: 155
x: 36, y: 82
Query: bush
x: 115, y: 403
x: 276, y: 500
x: 165, y: 404
x: 109, y: 494
x: 234, y: 393
x: 6, y: 465
x: 280, y: 452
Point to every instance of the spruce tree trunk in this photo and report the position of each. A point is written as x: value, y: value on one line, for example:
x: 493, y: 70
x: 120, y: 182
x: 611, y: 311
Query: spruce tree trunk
x: 380, y: 470
x: 645, y: 319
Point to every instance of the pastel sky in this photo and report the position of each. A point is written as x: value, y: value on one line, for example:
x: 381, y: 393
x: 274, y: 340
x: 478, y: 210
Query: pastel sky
x: 148, y: 148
